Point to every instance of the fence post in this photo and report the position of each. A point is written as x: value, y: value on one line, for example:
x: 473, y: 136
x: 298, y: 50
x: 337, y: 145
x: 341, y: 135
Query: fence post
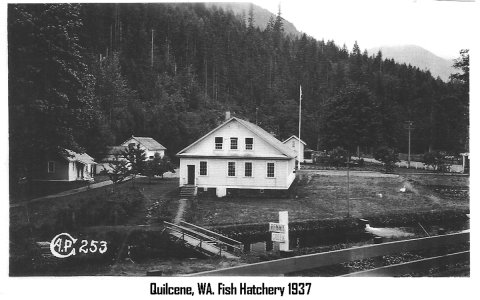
x: 378, y: 260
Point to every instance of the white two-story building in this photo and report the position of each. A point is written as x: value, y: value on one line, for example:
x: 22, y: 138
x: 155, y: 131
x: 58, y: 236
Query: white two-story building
x: 237, y: 155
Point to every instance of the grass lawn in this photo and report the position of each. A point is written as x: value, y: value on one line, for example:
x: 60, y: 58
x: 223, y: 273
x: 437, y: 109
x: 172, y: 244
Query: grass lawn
x: 323, y: 194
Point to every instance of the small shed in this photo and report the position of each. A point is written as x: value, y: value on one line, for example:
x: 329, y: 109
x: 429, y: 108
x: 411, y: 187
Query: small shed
x: 300, y: 147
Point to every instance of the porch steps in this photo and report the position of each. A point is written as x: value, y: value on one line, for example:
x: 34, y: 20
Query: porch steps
x: 187, y: 191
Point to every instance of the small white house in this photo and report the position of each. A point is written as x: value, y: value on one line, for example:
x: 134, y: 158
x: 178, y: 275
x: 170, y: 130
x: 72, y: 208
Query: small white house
x: 113, y: 154
x: 296, y: 145
x: 149, y: 145
x: 237, y: 155
x: 66, y: 165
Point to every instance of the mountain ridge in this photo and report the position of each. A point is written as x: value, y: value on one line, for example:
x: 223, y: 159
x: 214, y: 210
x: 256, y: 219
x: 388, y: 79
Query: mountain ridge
x: 418, y: 57
x: 408, y: 53
x: 261, y: 16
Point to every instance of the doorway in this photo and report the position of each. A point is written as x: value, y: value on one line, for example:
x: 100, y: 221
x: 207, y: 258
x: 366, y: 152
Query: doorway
x: 191, y: 174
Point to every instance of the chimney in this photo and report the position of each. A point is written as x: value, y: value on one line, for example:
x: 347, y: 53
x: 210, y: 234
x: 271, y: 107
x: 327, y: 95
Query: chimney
x: 227, y: 115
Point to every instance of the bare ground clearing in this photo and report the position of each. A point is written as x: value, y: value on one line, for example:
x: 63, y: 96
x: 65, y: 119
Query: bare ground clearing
x: 323, y: 194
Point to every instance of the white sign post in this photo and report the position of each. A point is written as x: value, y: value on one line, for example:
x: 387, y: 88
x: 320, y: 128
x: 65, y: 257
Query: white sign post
x: 280, y: 233
x: 283, y: 220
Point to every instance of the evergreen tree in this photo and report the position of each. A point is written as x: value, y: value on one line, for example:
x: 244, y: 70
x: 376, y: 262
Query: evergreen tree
x: 48, y: 80
x: 352, y: 119
x: 135, y: 161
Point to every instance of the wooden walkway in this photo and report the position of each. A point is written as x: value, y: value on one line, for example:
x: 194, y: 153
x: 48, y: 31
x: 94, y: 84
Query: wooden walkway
x: 202, y: 240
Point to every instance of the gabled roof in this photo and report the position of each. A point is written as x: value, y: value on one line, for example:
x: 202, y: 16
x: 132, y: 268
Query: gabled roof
x: 147, y: 142
x: 70, y: 155
x: 115, y: 150
x: 267, y: 137
x: 294, y: 137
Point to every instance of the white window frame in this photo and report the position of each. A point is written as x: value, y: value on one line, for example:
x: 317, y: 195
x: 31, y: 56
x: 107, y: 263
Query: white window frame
x: 200, y: 168
x: 266, y: 175
x: 245, y: 169
x: 234, y: 169
x: 231, y: 143
x: 249, y: 144
x: 48, y: 166
x: 220, y: 144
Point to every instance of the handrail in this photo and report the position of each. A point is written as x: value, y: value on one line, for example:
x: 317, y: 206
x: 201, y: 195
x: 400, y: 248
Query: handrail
x: 219, y: 248
x: 196, y: 238
x: 412, y: 266
x: 202, y: 235
x: 211, y: 232
x: 310, y: 261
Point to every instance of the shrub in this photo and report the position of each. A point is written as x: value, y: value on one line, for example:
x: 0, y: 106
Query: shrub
x: 337, y: 156
x: 388, y: 156
x: 436, y: 159
x: 108, y: 208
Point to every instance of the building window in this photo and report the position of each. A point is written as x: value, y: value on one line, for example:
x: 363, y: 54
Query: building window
x: 51, y: 167
x: 248, y: 169
x: 248, y: 143
x: 270, y: 169
x: 293, y: 144
x: 234, y: 143
x: 203, y: 168
x: 231, y: 168
x: 219, y: 143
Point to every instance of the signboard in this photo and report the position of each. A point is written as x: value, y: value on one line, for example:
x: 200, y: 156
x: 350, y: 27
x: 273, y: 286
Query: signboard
x: 278, y: 237
x: 276, y: 227
x: 280, y: 230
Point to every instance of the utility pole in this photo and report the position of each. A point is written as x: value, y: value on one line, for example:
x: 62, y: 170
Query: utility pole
x: 409, y: 127
x: 152, y: 49
x: 348, y: 186
x: 299, y: 125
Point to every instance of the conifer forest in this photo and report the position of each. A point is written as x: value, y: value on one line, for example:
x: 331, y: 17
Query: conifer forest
x: 87, y: 76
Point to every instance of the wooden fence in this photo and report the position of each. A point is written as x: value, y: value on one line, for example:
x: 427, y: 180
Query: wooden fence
x: 305, y: 262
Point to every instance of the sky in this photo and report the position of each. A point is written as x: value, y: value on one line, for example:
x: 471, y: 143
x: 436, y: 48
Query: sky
x: 442, y: 27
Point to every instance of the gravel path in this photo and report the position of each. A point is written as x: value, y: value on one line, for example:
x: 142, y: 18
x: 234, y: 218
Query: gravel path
x: 181, y: 210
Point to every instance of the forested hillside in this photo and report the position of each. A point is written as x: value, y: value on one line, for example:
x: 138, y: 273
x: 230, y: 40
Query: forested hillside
x: 84, y: 76
x: 418, y: 57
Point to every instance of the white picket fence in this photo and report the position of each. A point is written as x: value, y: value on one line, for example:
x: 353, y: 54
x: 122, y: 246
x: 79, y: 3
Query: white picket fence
x: 419, y: 165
